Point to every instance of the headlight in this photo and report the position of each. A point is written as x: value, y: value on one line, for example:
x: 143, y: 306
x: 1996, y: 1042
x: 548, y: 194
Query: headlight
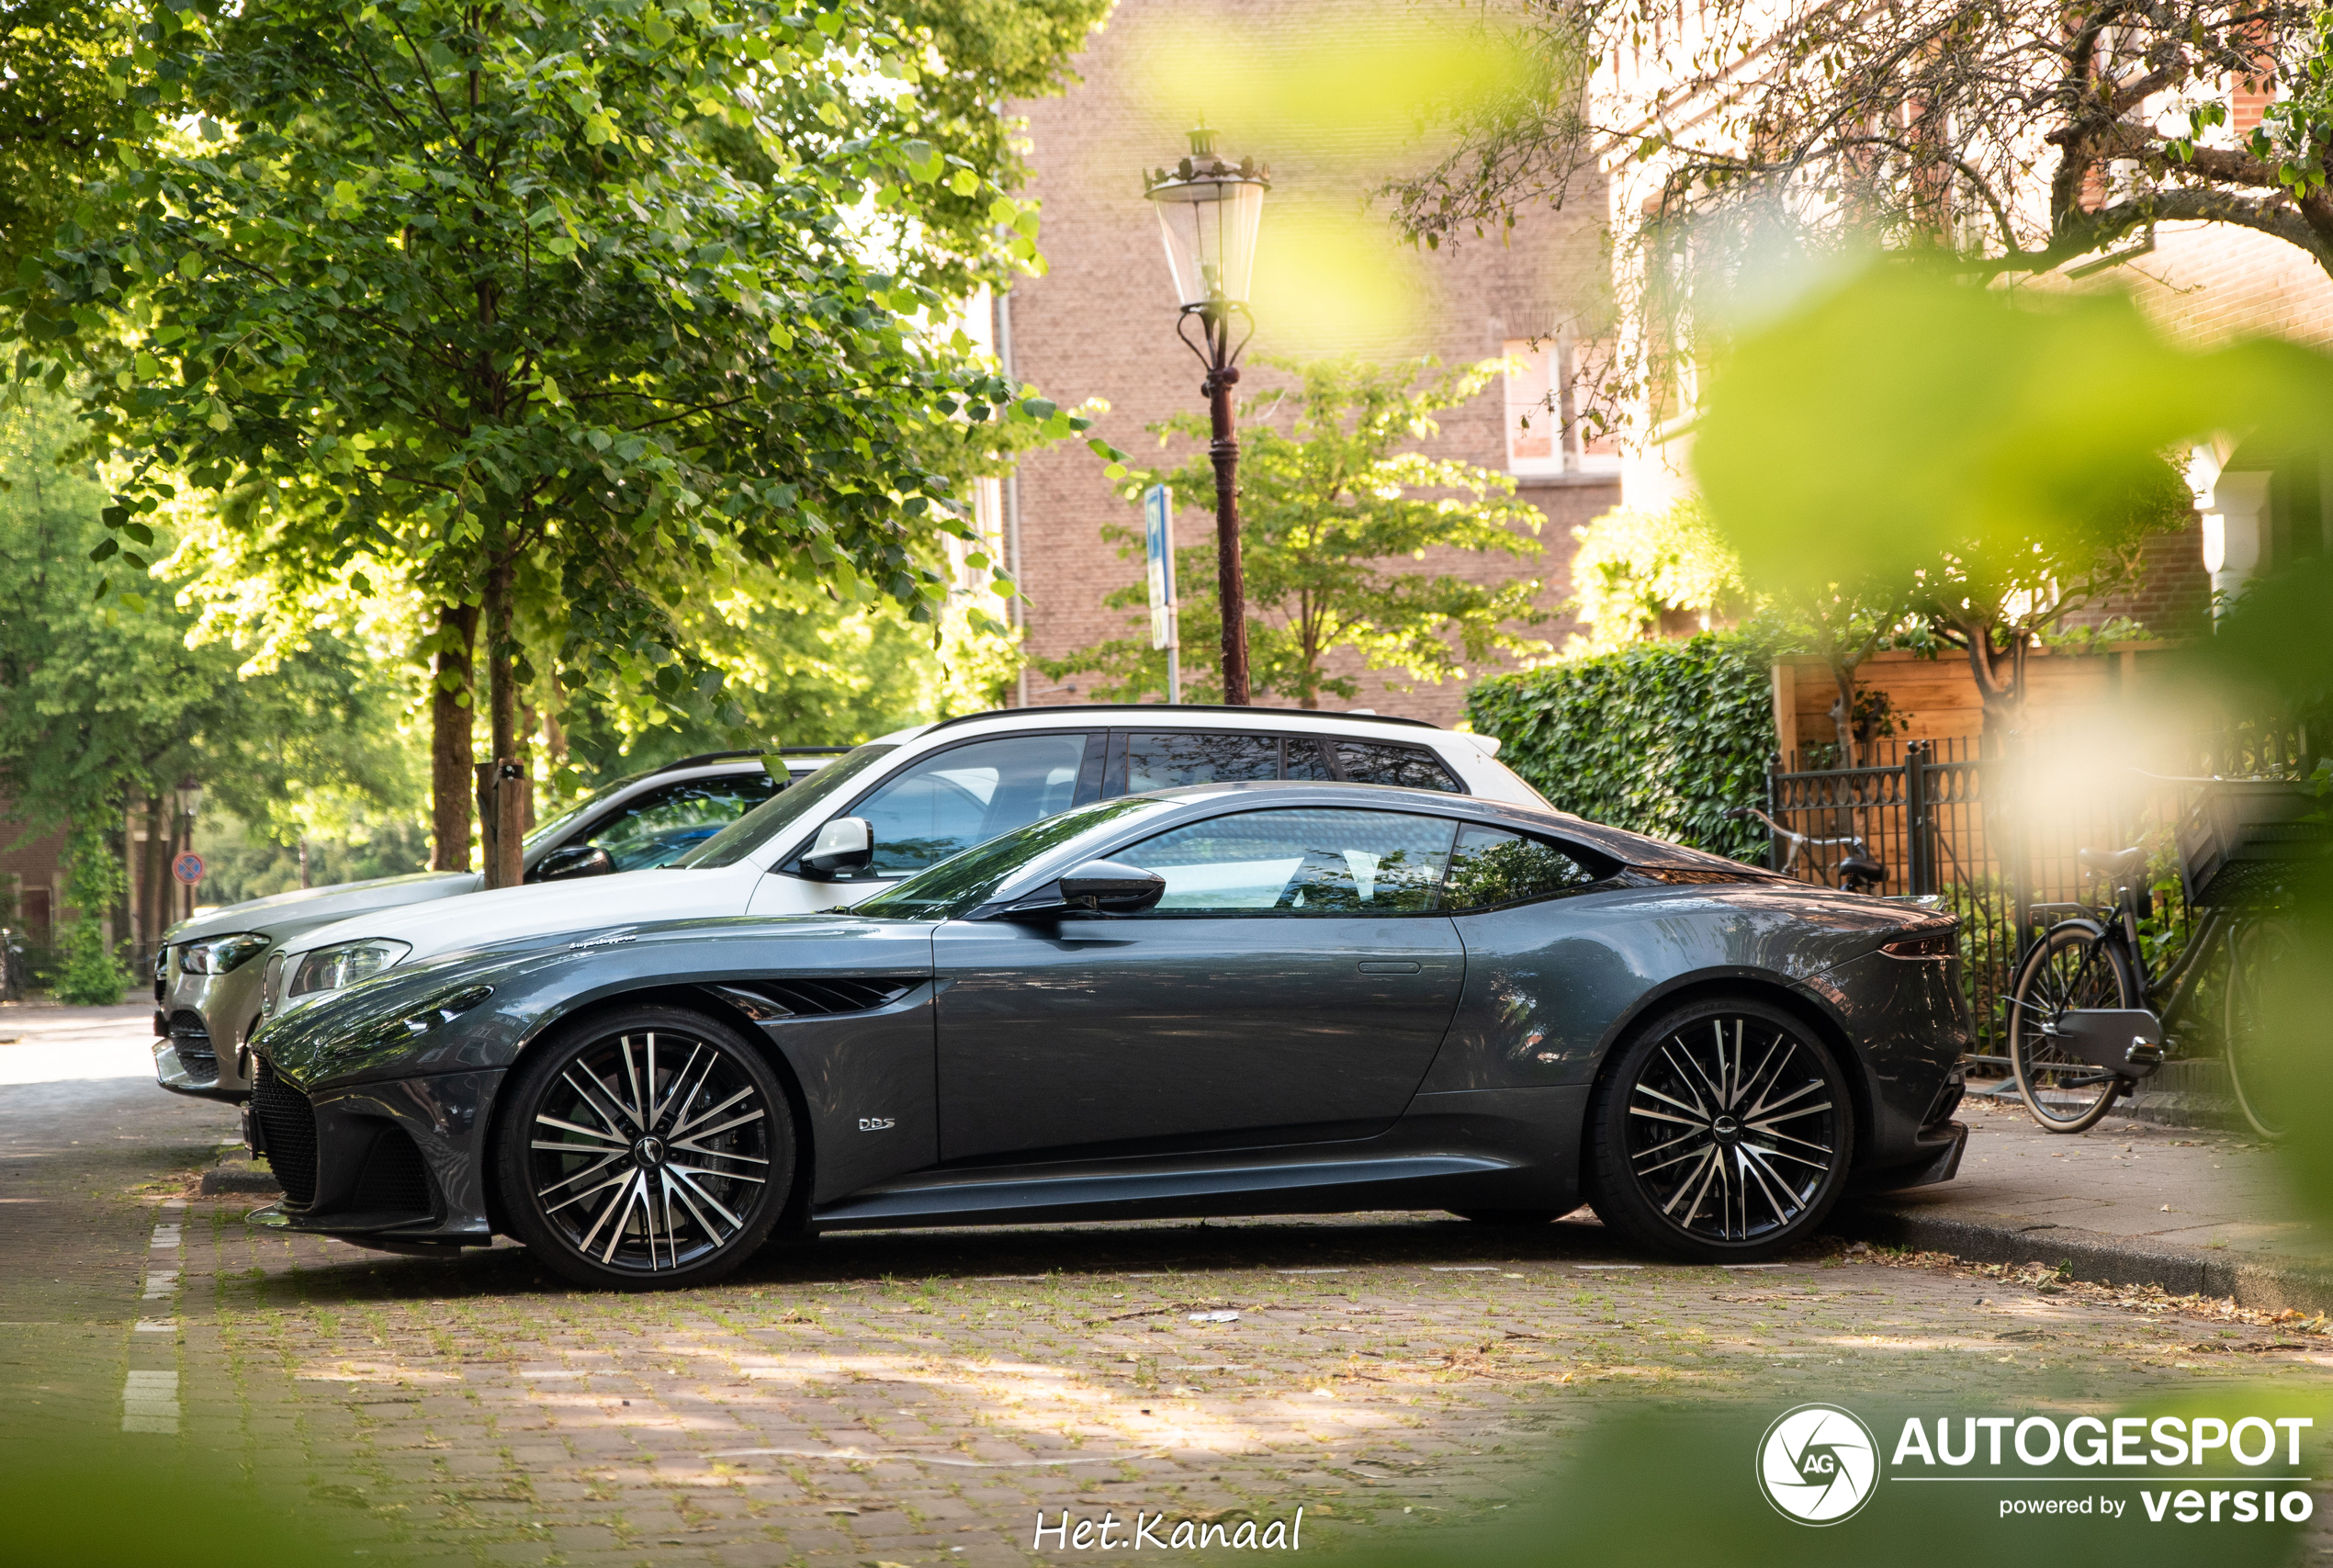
x: 330, y: 968
x: 219, y: 954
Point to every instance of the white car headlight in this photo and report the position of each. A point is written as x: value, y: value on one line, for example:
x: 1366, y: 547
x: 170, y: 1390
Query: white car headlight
x: 332, y: 968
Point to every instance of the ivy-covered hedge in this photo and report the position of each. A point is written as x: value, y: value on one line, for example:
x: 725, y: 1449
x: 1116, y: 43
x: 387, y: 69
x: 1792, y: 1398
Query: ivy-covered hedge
x: 1663, y: 737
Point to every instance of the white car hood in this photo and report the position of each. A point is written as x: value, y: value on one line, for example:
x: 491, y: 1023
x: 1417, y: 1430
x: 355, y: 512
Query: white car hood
x: 545, y: 909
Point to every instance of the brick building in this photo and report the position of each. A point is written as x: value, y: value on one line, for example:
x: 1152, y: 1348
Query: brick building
x: 32, y: 887
x: 1101, y: 324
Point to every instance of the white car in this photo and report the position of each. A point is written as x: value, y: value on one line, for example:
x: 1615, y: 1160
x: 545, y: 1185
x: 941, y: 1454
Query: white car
x: 207, y: 973
x: 919, y: 795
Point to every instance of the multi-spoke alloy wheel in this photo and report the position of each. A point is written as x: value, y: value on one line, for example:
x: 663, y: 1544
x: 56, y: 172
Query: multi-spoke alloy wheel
x: 647, y: 1150
x: 1722, y: 1130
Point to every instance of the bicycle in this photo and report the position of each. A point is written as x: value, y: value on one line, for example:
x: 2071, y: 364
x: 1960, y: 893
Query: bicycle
x: 2085, y: 1026
x: 1859, y: 870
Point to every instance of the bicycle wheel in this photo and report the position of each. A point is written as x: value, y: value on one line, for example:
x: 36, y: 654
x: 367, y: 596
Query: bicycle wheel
x: 2073, y: 965
x: 2256, y: 948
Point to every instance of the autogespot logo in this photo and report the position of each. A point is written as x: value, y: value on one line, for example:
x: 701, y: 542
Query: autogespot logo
x: 1818, y: 1464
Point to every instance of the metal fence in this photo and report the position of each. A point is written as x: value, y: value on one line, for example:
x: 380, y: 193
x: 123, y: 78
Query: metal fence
x: 1994, y: 833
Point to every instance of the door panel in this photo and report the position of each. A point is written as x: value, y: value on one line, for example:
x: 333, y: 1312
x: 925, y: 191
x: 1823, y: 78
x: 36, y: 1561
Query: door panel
x: 1183, y: 1028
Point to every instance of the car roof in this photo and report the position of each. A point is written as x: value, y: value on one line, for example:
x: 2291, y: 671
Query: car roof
x: 1197, y: 715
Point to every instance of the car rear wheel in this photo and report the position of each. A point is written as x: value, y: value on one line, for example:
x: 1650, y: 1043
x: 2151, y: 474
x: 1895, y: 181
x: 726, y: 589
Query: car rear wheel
x: 1722, y: 1133
x: 644, y: 1150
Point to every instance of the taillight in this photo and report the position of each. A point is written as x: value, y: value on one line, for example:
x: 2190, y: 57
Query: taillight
x: 1934, y: 945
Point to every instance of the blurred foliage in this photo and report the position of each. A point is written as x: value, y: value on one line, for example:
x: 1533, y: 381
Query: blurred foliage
x: 75, y: 1499
x: 1637, y: 565
x: 1961, y: 425
x: 1326, y: 504
x: 1664, y: 738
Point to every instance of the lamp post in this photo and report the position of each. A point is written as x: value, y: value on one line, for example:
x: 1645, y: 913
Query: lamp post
x: 1208, y: 210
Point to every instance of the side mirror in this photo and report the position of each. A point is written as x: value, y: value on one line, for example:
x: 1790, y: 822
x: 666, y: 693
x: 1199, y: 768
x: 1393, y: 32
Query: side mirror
x: 1105, y: 886
x: 847, y: 844
x: 571, y: 861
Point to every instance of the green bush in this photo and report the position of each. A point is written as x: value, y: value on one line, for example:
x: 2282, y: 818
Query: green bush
x: 1664, y: 738
x: 90, y: 976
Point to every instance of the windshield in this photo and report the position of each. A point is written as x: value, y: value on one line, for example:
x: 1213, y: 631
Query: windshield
x: 962, y: 883
x: 590, y: 798
x: 782, y: 810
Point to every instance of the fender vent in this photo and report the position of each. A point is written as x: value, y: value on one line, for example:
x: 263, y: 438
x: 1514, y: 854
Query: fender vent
x: 764, y: 1000
x: 395, y: 1181
x: 290, y: 1124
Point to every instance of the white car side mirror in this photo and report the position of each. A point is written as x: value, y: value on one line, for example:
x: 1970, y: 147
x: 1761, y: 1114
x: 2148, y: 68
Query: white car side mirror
x: 846, y: 843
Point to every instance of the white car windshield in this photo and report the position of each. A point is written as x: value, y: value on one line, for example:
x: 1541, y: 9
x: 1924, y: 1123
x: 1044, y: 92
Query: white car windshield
x: 782, y: 810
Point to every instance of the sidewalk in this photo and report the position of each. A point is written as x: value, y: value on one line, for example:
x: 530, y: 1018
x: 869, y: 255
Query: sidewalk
x: 2196, y: 1210
x: 46, y: 1043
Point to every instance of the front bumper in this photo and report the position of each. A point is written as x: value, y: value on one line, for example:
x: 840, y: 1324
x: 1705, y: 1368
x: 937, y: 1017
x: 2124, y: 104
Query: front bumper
x: 201, y: 1024
x: 397, y: 1164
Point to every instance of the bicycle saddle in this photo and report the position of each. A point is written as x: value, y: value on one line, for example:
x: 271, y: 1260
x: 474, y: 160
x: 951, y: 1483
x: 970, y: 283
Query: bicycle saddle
x: 2117, y: 866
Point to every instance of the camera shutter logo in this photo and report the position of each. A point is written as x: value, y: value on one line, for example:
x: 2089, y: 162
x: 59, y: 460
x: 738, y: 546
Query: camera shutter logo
x: 1818, y: 1464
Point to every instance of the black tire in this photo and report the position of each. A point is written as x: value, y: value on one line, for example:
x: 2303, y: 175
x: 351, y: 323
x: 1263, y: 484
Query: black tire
x: 1721, y: 1131
x: 2073, y: 965
x: 643, y: 1150
x: 2256, y: 1071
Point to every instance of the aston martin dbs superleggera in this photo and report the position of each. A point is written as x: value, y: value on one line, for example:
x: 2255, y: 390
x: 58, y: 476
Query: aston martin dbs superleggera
x: 1226, y: 999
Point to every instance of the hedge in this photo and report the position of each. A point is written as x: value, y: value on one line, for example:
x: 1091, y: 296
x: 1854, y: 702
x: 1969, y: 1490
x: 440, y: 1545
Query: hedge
x: 1663, y: 737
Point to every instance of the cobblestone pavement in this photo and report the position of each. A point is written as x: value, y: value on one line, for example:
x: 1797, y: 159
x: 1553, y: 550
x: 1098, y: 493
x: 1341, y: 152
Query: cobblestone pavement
x: 921, y: 1397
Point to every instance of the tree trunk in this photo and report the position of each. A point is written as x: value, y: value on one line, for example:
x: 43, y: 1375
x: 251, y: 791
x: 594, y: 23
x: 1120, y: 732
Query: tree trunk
x: 154, y: 876
x: 1842, y: 714
x: 525, y: 756
x: 450, y: 713
x: 1999, y: 674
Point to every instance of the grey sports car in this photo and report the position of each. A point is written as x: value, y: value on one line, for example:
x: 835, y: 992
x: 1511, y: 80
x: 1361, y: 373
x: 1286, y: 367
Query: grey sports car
x: 1243, y: 998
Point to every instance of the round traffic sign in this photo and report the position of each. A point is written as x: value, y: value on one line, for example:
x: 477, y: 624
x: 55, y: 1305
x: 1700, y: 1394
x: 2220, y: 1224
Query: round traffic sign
x: 187, y: 868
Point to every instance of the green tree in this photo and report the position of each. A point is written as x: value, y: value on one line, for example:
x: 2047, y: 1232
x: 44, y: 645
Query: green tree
x: 1326, y: 503
x: 473, y: 290
x: 101, y: 704
x: 89, y: 974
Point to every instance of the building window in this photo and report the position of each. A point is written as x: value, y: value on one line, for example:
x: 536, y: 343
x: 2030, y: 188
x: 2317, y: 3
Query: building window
x: 1545, y: 431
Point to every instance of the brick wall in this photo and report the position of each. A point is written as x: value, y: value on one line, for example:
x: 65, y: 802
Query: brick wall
x: 30, y: 870
x: 1101, y: 324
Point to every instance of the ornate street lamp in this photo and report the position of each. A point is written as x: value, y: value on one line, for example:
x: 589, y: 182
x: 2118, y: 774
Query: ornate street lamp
x: 1208, y: 211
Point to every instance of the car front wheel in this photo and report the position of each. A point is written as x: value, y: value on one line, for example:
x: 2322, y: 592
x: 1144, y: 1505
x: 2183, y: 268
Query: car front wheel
x: 1722, y: 1133
x: 648, y: 1149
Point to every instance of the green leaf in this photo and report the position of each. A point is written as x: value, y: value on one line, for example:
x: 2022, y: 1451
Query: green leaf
x: 190, y: 265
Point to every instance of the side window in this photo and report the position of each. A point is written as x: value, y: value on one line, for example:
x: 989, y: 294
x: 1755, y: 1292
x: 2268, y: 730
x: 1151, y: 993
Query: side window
x: 1306, y: 761
x: 1157, y: 761
x: 1298, y: 862
x: 1411, y: 767
x: 967, y: 795
x: 661, y: 826
x: 1491, y: 867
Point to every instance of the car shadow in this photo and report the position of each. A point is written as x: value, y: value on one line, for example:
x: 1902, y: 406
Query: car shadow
x: 1000, y: 1254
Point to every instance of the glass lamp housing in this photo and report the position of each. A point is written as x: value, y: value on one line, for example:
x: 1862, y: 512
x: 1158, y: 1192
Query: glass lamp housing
x: 1208, y: 211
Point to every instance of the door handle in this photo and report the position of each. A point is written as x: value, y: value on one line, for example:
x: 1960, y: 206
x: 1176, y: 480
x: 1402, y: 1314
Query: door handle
x: 1381, y: 966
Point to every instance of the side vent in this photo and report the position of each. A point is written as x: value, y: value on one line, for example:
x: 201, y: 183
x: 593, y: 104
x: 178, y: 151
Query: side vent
x: 395, y: 1181
x: 765, y: 999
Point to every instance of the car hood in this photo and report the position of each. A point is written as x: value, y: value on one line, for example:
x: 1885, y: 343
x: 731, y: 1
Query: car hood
x: 476, y: 1007
x: 309, y: 905
x: 547, y: 908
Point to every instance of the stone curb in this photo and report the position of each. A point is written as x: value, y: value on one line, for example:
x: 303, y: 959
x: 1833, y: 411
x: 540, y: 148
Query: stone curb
x: 2264, y: 1281
x: 238, y: 1173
